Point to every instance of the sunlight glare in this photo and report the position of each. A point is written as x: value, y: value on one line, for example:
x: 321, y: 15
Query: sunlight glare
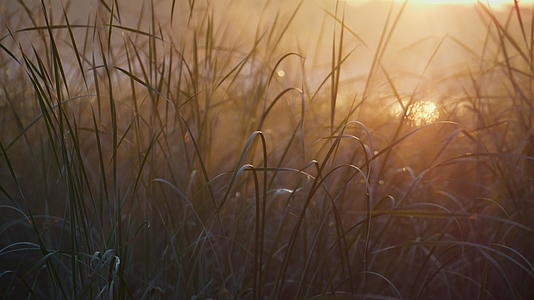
x: 421, y: 112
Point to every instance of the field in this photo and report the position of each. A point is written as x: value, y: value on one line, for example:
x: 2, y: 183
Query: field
x: 266, y: 149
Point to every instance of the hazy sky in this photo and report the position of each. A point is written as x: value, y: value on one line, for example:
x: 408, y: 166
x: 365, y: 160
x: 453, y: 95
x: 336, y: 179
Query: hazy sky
x: 423, y: 25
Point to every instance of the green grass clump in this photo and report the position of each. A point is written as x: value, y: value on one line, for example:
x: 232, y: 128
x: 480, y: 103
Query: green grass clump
x: 262, y: 150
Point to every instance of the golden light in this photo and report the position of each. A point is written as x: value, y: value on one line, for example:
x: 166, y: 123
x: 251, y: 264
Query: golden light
x: 493, y: 3
x: 420, y: 112
x: 281, y: 73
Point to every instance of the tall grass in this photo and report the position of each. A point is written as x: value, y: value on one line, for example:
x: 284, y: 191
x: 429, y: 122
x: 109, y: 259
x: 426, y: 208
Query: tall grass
x: 161, y: 152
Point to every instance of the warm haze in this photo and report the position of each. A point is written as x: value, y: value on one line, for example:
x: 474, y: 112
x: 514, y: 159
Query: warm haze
x: 266, y: 149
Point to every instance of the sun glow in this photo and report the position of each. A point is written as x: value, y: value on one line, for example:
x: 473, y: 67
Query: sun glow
x: 420, y: 112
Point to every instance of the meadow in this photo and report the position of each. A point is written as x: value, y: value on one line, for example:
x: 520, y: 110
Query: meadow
x: 266, y: 149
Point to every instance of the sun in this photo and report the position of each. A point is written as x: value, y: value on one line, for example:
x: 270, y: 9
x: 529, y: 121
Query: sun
x: 420, y: 112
